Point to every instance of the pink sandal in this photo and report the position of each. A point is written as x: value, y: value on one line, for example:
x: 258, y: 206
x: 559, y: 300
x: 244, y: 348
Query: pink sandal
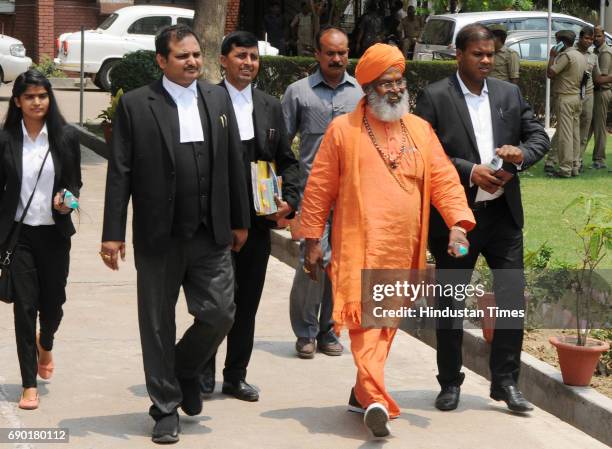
x: 44, y: 371
x: 28, y: 404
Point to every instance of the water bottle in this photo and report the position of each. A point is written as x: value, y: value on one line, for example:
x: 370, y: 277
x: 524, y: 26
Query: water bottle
x: 70, y: 200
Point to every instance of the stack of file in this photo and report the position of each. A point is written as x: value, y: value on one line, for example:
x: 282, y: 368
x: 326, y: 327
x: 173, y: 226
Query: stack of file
x: 266, y: 185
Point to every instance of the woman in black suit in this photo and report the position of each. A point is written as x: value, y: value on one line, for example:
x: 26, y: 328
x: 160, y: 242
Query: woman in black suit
x: 33, y: 127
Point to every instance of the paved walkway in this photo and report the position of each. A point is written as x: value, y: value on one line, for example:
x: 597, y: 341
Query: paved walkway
x: 68, y: 100
x: 98, y: 389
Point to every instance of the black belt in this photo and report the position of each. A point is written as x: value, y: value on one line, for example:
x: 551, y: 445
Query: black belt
x: 480, y: 205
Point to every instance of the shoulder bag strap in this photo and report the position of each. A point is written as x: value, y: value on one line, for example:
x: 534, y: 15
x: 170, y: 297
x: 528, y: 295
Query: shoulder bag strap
x: 10, y: 249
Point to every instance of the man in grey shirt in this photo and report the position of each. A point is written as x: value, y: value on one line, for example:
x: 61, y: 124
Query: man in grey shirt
x: 309, y: 106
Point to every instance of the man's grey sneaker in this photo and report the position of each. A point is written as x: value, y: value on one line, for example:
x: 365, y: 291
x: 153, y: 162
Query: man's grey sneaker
x: 376, y: 419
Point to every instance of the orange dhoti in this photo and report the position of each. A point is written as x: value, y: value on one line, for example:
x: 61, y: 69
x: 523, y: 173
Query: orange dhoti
x: 381, y: 218
x: 370, y: 348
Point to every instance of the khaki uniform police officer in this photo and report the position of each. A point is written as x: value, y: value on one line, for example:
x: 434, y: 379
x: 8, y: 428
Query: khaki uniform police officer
x: 566, y: 68
x: 506, y: 63
x: 603, y: 95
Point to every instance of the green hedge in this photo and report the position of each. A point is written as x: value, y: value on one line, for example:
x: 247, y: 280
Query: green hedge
x: 135, y: 70
x: 277, y: 72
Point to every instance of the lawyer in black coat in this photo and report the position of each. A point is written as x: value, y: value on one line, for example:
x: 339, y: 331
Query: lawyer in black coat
x: 475, y: 117
x: 263, y: 138
x: 176, y: 152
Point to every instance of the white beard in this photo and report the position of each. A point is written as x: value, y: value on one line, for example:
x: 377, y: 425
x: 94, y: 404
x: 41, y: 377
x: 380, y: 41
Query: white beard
x: 385, y: 111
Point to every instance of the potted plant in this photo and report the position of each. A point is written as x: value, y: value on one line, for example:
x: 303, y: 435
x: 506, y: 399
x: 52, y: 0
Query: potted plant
x: 107, y: 116
x: 483, y: 276
x: 579, y: 355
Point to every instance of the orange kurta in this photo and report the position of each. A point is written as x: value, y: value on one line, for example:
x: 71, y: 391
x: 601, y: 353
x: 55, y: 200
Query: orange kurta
x: 393, y: 219
x: 336, y: 180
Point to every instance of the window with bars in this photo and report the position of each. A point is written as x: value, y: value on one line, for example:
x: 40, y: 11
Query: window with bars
x: 7, y: 6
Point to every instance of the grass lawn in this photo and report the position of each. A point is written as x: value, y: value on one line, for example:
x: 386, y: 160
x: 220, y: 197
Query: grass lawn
x: 544, y: 200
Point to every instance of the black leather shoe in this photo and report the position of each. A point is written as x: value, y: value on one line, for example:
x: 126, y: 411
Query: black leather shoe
x: 240, y: 390
x: 207, y: 382
x: 192, y: 402
x: 513, y: 397
x: 448, y: 399
x: 354, y: 405
x: 166, y: 430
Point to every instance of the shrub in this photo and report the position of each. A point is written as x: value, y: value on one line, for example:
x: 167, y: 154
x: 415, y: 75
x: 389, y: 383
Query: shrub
x: 135, y: 70
x: 48, y: 68
x: 277, y: 72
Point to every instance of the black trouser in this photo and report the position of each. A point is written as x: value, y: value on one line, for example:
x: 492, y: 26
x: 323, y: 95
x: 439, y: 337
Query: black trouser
x: 39, y: 270
x: 250, y: 265
x: 500, y: 241
x: 204, y: 270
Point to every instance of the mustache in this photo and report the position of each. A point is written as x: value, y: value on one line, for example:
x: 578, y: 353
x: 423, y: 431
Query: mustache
x: 386, y: 110
x: 335, y: 64
x: 394, y: 95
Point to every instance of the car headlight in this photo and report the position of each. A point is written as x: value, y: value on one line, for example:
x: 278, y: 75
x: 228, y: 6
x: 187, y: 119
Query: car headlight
x: 17, y: 50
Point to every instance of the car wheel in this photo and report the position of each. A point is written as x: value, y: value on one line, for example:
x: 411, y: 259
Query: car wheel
x: 96, y: 81
x: 103, y: 78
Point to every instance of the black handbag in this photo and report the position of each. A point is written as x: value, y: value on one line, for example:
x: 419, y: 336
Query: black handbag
x: 7, y: 253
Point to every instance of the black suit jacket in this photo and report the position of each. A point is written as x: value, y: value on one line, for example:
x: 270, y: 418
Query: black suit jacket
x: 272, y: 144
x: 67, y: 165
x: 443, y: 105
x: 141, y: 165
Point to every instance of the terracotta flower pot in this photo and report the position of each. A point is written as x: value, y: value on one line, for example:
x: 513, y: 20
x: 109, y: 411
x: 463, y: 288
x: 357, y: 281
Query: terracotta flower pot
x: 107, y: 127
x: 578, y: 362
x: 488, y: 322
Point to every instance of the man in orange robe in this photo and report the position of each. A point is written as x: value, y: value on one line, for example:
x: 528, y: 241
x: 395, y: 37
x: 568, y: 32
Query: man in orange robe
x: 379, y: 167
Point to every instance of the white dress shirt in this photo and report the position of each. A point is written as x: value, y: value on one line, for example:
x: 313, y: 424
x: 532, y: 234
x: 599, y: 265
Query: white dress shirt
x: 186, y: 99
x: 34, y: 152
x: 480, y: 115
x: 242, y: 100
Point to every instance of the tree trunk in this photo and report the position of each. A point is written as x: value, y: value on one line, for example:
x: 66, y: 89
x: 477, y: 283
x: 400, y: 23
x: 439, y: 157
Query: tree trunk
x: 338, y: 8
x: 209, y: 24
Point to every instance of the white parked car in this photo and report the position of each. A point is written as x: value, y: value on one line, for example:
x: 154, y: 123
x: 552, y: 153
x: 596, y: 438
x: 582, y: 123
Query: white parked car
x: 441, y: 30
x: 13, y: 59
x: 128, y: 29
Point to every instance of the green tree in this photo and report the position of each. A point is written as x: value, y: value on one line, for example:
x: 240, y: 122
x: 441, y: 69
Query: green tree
x: 585, y: 9
x: 337, y: 8
x: 440, y: 6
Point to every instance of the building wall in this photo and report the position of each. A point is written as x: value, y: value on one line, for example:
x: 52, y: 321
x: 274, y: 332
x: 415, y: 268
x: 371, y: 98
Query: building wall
x: 33, y: 21
x: 7, y: 24
x: 232, y: 18
x: 23, y: 24
x: 43, y: 22
x: 86, y: 13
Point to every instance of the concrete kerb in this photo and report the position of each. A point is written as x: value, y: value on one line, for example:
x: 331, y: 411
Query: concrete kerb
x: 72, y: 83
x: 91, y: 141
x: 582, y: 407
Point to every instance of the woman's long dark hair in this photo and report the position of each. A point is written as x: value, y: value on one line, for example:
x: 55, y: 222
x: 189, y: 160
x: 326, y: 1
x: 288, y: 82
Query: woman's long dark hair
x: 54, y: 119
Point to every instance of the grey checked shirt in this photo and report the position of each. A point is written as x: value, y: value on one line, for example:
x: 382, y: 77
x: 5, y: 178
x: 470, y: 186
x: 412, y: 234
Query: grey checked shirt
x: 309, y: 106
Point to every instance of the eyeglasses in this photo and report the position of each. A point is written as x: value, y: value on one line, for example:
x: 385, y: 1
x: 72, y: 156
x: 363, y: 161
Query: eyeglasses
x: 388, y: 85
